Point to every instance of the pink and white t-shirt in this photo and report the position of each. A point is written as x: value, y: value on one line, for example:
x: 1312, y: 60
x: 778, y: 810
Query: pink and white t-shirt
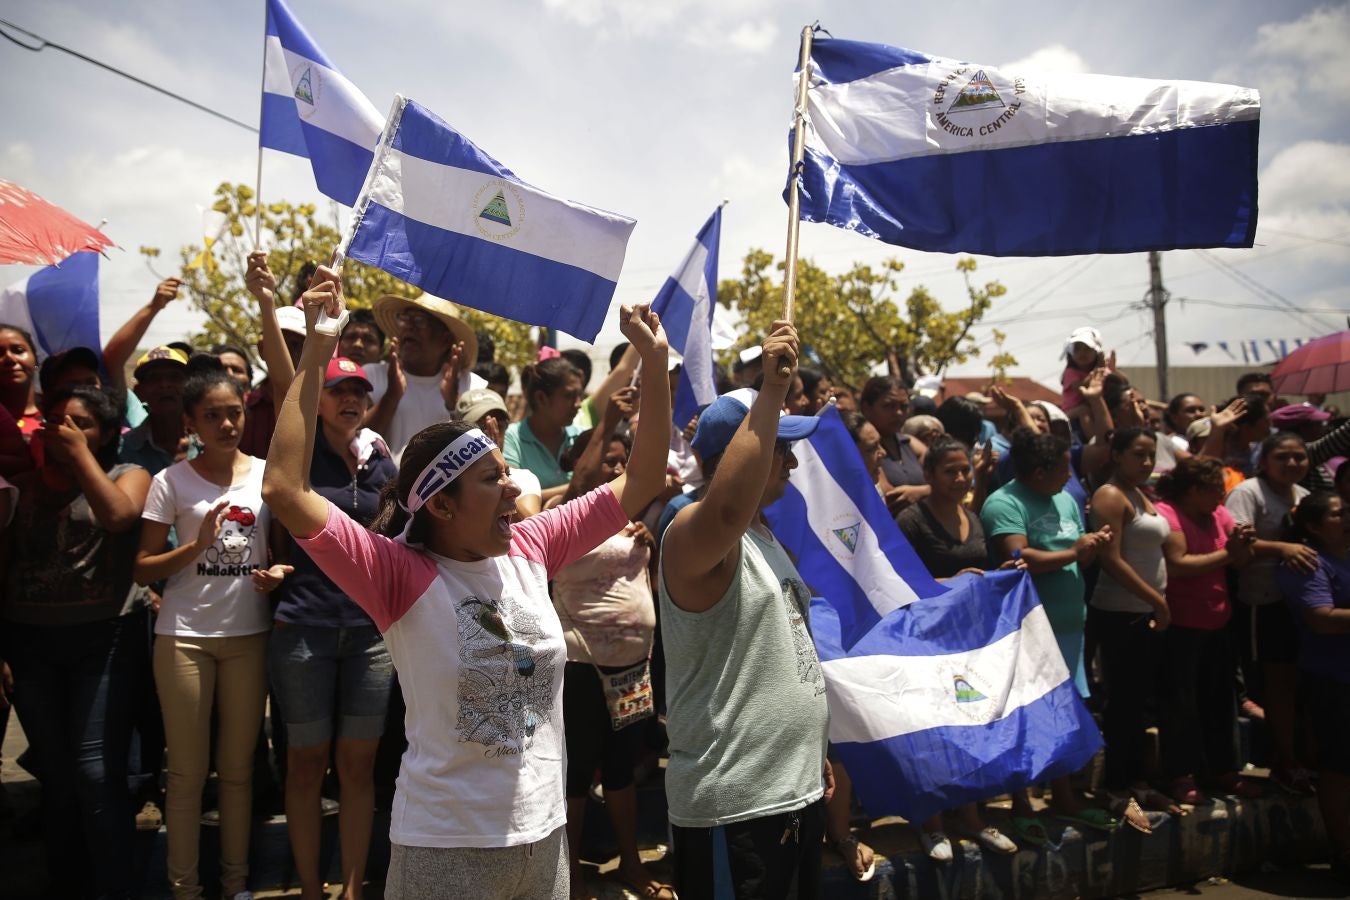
x: 479, y: 652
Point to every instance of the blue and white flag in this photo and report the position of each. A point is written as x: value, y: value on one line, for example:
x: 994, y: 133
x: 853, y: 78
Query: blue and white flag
x: 686, y: 303
x: 939, y: 694
x: 57, y: 305
x: 310, y: 109
x: 440, y: 213
x: 956, y: 157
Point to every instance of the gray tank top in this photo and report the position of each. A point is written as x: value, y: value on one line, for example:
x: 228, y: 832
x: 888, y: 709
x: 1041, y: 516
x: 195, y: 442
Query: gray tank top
x: 747, y: 717
x: 1141, y: 548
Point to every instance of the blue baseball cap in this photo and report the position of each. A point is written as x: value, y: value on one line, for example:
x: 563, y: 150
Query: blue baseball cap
x: 723, y: 416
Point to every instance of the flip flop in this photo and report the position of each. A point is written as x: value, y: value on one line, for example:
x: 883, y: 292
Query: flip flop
x: 1030, y: 830
x: 652, y: 890
x: 1149, y: 798
x: 1091, y: 817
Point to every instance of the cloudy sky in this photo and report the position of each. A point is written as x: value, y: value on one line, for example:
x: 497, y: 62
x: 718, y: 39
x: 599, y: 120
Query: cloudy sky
x: 660, y: 110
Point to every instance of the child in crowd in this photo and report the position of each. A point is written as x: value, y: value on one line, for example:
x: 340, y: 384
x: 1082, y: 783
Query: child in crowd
x: 1082, y: 353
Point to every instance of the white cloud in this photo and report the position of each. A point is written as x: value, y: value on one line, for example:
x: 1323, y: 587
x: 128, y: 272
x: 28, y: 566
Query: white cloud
x: 701, y: 23
x: 1055, y: 58
x: 1307, y: 54
x: 1310, y: 175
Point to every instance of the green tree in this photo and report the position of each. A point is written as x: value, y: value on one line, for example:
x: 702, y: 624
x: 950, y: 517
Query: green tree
x: 296, y: 234
x: 857, y: 319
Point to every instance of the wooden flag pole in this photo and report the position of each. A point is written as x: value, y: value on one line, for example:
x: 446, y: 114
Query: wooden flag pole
x: 794, y: 197
x: 257, y: 194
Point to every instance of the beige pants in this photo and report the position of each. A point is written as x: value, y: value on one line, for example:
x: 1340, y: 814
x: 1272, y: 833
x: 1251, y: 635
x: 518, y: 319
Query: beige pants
x: 192, y: 674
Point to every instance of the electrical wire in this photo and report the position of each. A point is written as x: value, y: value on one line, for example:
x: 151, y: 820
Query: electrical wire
x: 44, y: 44
x: 1256, y: 287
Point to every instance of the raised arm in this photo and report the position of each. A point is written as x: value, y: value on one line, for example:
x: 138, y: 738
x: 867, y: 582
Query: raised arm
x: 286, y: 487
x: 645, y: 476
x: 700, y: 544
x: 586, y: 473
x: 262, y: 284
x: 619, y: 376
x: 118, y: 348
x: 117, y: 505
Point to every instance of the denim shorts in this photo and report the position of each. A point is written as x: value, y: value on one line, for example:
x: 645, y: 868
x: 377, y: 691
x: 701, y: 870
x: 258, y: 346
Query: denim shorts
x: 321, y: 675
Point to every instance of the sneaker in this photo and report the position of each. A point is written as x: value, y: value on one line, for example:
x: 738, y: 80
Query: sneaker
x: 936, y: 845
x: 244, y: 895
x: 993, y: 839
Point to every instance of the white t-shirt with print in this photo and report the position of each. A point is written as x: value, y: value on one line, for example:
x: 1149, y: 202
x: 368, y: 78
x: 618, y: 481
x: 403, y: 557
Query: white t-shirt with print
x: 213, y: 595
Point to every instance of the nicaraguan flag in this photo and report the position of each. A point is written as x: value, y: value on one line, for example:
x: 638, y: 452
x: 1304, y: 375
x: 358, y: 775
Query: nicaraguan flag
x: 686, y: 303
x: 310, y: 109
x: 57, y: 305
x: 955, y: 157
x: 940, y: 694
x: 440, y: 213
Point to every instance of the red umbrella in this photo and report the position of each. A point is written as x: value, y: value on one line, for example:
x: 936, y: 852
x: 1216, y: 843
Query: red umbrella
x: 34, y: 232
x: 1318, y: 367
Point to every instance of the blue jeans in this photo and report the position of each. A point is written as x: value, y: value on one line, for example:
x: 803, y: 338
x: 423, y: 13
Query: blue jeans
x: 321, y: 673
x: 75, y: 690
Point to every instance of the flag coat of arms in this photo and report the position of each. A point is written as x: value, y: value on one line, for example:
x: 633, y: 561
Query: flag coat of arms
x: 310, y: 109
x: 440, y: 213
x: 956, y: 157
x: 686, y: 303
x: 940, y: 693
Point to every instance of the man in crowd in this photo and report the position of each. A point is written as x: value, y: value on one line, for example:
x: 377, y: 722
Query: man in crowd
x: 161, y: 440
x: 747, y: 779
x: 362, y: 341
x: 426, y: 373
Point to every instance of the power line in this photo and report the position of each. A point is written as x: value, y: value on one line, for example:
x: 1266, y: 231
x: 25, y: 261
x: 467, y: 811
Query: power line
x: 1259, y: 289
x: 44, y: 44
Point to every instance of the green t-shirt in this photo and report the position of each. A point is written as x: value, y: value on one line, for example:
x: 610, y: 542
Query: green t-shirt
x: 1050, y: 523
x: 524, y: 451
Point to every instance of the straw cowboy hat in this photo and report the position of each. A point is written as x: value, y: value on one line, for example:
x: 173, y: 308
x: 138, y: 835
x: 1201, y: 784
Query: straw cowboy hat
x: 388, y: 307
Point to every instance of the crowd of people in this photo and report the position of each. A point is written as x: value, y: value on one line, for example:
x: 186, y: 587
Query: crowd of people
x: 364, y: 550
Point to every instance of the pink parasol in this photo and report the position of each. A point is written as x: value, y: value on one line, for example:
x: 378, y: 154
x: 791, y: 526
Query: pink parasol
x: 1318, y: 367
x: 34, y: 232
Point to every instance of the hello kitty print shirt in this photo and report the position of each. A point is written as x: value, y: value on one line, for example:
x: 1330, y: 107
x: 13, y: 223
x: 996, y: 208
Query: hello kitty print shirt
x: 480, y: 656
x: 213, y: 596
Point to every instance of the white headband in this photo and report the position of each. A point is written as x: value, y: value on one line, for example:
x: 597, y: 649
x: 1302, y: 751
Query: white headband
x: 447, y: 466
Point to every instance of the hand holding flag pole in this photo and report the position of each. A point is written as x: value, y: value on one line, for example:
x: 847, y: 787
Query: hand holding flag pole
x: 794, y: 196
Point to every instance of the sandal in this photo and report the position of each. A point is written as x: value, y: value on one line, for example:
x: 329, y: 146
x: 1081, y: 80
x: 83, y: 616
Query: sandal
x: 854, y: 852
x: 1157, y: 801
x: 652, y: 890
x: 1130, y: 812
x: 1030, y: 830
x: 992, y: 839
x: 1091, y: 817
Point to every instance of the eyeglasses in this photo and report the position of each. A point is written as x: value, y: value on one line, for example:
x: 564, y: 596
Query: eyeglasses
x: 419, y: 321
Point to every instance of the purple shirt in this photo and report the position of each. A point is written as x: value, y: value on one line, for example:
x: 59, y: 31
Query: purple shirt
x: 1325, y: 655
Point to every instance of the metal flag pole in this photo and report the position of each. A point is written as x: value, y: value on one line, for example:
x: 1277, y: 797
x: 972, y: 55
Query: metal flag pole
x: 794, y: 197
x: 262, y: 98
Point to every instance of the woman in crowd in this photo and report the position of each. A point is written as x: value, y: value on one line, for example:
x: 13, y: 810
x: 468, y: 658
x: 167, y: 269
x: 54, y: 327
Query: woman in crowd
x: 885, y: 403
x: 868, y: 441
x: 1264, y: 502
x: 328, y: 663
x: 18, y: 378
x: 949, y: 539
x: 604, y: 601
x: 1182, y: 410
x: 74, y: 629
x: 1130, y: 613
x: 460, y: 597
x: 552, y: 388
x: 1320, y: 601
x: 210, y: 655
x: 1197, y: 712
x: 816, y: 388
x: 1033, y: 519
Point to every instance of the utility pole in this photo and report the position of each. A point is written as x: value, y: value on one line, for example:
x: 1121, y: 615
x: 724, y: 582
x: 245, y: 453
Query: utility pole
x: 1157, y: 300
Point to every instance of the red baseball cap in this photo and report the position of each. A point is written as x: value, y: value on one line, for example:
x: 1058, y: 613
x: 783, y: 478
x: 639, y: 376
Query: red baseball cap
x: 340, y: 368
